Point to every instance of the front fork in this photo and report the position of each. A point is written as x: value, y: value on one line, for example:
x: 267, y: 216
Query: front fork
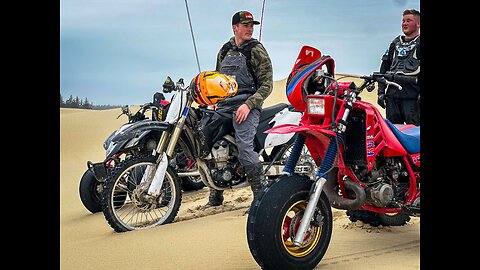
x: 322, y: 173
x: 321, y: 179
x: 161, y: 165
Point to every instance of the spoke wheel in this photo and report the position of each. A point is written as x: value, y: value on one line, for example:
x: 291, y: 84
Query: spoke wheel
x: 126, y: 204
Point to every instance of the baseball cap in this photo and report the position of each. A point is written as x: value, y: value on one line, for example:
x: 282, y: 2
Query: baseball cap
x: 243, y: 17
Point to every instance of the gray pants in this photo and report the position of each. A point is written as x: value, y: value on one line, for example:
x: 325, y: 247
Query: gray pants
x: 248, y: 158
x: 244, y: 136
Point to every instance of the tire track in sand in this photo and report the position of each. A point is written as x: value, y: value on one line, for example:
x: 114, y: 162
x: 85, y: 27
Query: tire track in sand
x: 370, y: 253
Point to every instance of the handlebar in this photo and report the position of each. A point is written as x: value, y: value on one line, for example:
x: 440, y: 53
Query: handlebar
x: 395, y: 79
x: 399, y: 78
x: 390, y: 79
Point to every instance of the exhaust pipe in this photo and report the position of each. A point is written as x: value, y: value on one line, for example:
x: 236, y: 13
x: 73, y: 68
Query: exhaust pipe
x: 339, y: 202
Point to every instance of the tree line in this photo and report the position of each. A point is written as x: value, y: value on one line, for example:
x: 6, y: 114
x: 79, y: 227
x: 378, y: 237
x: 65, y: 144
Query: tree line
x: 76, y: 102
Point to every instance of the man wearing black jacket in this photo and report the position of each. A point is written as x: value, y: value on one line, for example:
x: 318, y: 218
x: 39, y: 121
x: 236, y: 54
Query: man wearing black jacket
x: 403, y: 57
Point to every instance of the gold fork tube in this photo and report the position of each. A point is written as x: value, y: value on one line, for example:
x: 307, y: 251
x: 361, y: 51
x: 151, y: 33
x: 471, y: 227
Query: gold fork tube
x: 163, y: 141
x: 175, y: 136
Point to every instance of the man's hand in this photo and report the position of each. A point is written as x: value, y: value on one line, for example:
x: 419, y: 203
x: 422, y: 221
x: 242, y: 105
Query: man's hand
x: 381, y: 100
x: 242, y: 113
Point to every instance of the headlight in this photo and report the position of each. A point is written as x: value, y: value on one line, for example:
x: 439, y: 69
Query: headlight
x: 316, y: 106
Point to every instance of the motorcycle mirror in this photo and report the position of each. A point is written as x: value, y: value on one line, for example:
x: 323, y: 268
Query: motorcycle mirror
x: 125, y: 110
x: 168, y: 85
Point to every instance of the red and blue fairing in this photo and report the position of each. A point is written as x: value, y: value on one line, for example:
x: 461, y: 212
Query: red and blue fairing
x: 382, y: 139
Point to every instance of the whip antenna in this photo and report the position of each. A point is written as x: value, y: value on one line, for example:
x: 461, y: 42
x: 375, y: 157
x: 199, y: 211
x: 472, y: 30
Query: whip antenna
x: 193, y: 38
x: 261, y: 21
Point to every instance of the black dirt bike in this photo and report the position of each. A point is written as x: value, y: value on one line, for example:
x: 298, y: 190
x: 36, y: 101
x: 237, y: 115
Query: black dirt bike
x: 117, y: 148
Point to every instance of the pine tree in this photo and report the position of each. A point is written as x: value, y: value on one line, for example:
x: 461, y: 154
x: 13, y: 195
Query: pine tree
x: 69, y: 102
x: 86, y: 104
x: 77, y: 102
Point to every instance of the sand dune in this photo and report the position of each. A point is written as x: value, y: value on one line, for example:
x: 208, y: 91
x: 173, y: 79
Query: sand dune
x: 198, y: 239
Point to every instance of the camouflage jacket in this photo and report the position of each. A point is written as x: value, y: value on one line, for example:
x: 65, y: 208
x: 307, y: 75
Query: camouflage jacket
x: 263, y: 73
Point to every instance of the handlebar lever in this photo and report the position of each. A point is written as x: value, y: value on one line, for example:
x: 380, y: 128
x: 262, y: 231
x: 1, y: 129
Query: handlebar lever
x: 394, y: 84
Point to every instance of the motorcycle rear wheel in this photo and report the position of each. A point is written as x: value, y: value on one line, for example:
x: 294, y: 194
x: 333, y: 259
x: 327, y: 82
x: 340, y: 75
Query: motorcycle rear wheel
x: 134, y: 214
x: 396, y: 219
x: 192, y: 183
x: 376, y: 219
x: 273, y: 220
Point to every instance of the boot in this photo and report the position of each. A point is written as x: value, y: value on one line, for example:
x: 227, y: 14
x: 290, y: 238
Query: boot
x: 215, y: 198
x: 256, y: 178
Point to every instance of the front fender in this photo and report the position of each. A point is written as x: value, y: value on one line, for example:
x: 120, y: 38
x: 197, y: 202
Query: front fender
x: 317, y: 138
x: 114, y: 148
x: 138, y: 128
x: 289, y: 128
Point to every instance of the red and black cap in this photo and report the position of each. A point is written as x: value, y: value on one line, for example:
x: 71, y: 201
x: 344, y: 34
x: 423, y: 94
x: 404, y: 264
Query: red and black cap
x: 243, y: 17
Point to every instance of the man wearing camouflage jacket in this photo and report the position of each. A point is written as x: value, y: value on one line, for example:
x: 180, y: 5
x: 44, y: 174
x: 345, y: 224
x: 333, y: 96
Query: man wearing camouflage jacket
x: 245, y: 58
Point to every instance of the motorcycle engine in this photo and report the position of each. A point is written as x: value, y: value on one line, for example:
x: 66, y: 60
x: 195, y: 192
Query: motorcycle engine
x: 220, y: 152
x: 223, y: 172
x: 381, y: 194
x: 387, y: 183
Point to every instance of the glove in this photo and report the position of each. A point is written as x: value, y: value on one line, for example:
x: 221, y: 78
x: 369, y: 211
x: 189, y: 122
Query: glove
x: 381, y: 100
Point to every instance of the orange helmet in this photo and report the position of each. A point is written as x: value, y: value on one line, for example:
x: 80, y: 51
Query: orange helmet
x: 210, y: 87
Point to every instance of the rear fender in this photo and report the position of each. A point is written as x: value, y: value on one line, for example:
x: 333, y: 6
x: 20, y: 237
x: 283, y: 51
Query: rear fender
x: 283, y: 117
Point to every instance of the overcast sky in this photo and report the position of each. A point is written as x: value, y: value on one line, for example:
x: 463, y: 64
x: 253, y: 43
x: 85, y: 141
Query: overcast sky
x: 120, y: 51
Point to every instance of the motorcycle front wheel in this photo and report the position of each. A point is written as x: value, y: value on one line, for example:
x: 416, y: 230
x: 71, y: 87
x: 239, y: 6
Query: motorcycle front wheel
x: 90, y: 191
x: 138, y: 211
x: 274, y: 218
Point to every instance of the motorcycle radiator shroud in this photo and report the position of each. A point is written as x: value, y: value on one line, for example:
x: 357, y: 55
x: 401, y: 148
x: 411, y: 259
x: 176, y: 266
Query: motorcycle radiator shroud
x: 213, y: 127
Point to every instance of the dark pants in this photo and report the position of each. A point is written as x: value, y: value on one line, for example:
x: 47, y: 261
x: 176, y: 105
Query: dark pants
x: 402, y: 111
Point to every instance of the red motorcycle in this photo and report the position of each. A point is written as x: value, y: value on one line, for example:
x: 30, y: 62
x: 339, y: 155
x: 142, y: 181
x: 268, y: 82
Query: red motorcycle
x: 367, y: 166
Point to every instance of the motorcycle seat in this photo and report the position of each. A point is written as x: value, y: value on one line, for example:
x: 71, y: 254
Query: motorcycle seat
x: 408, y: 135
x: 269, y: 112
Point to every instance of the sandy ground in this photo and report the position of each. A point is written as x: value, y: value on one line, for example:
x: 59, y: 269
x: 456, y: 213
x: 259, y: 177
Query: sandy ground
x: 198, y: 239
